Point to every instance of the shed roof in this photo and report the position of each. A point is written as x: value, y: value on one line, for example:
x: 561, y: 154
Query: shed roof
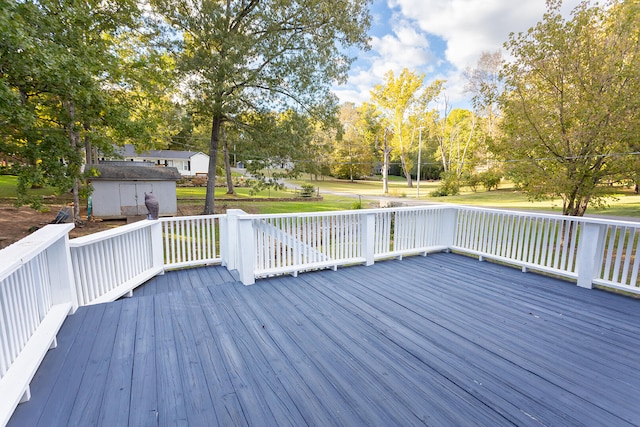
x: 135, y: 173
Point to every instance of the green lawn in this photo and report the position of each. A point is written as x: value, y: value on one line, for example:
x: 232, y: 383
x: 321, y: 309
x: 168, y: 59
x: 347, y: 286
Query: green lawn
x: 9, y: 185
x: 297, y: 204
x: 626, y: 203
x: 241, y: 193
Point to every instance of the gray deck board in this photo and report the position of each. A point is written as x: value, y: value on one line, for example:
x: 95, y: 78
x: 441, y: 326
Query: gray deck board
x: 442, y: 340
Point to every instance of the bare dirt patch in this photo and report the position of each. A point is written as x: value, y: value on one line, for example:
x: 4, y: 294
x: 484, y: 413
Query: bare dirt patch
x: 17, y: 223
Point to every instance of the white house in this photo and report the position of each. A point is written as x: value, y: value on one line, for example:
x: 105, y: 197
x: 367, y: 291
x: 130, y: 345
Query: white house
x: 188, y: 163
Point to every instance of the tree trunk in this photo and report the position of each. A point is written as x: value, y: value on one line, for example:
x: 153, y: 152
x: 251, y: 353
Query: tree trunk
x: 575, y: 205
x: 74, y: 140
x: 406, y: 171
x: 88, y: 152
x: 213, y: 159
x: 385, y: 165
x: 227, y: 167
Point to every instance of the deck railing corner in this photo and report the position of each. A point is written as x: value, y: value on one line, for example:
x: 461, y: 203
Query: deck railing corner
x: 245, y: 251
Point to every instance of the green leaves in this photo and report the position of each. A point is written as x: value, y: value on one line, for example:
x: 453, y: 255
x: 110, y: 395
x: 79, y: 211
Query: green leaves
x: 571, y: 101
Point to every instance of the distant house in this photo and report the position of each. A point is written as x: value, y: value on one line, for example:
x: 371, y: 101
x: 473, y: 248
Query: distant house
x: 188, y: 163
x: 118, y: 191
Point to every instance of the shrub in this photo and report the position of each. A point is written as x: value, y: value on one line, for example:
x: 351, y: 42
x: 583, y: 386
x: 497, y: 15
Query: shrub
x: 472, y: 181
x: 490, y: 179
x: 449, y: 185
x: 307, y: 190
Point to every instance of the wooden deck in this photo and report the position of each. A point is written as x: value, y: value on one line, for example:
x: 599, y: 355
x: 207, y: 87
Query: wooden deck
x: 443, y: 340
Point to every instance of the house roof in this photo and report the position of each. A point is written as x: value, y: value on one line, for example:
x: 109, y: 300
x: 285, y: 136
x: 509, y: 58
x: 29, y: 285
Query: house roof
x: 129, y: 150
x: 135, y: 173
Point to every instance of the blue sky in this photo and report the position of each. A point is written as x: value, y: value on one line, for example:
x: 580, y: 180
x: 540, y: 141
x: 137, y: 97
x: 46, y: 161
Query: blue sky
x: 437, y: 37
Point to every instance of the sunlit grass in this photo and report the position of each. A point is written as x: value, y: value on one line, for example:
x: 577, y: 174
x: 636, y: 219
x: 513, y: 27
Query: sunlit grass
x: 626, y: 203
x: 9, y: 188
x: 221, y: 192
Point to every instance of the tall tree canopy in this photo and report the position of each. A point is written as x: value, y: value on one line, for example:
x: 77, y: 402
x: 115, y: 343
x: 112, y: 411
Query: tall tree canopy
x: 61, y: 81
x: 398, y: 97
x: 243, y: 56
x: 571, y: 105
x: 353, y: 153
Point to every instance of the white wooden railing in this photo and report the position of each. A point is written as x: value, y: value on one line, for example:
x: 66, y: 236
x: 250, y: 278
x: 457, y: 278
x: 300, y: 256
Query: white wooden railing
x: 590, y: 251
x: 530, y: 240
x: 290, y: 243
x: 46, y: 276
x: 35, y: 298
x: 192, y: 240
x: 618, y: 246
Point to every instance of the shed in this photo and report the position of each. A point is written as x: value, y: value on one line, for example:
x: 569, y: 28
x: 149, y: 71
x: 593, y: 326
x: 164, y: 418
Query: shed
x: 118, y: 191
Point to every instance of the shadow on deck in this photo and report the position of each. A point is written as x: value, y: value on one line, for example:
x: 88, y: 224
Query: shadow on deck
x: 441, y: 340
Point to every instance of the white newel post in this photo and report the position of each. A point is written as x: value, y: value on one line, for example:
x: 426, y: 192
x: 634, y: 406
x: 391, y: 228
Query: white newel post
x: 590, y: 250
x: 449, y: 227
x: 223, y: 238
x: 230, y: 258
x: 157, y: 245
x: 63, y: 287
x: 246, y: 254
x: 368, y: 238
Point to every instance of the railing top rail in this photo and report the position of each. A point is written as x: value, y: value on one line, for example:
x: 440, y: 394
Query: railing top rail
x: 24, y: 250
x: 183, y: 218
x: 348, y: 212
x: 107, y: 234
x: 584, y: 219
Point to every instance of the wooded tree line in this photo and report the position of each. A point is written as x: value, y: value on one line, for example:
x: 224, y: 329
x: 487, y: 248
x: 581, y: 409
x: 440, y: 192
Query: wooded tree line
x: 251, y: 80
x: 560, y: 117
x: 77, y: 76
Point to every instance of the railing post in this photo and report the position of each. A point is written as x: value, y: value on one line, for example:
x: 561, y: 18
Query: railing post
x: 246, y: 247
x: 223, y: 238
x: 157, y: 245
x: 368, y: 238
x: 449, y: 227
x: 589, y: 256
x: 232, y: 240
x: 60, y: 268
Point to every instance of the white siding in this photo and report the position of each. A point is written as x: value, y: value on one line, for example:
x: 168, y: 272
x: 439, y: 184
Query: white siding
x: 199, y: 163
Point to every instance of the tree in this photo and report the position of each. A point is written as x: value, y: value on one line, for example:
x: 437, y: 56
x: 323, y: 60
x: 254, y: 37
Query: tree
x: 485, y: 86
x: 352, y: 153
x: 375, y: 132
x: 59, y: 70
x: 397, y: 97
x: 250, y: 56
x: 571, y: 104
x: 458, y: 139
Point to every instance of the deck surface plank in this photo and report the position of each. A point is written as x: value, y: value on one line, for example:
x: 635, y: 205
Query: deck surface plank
x: 116, y: 403
x: 63, y: 392
x: 143, y: 407
x: 437, y: 340
x: 91, y: 390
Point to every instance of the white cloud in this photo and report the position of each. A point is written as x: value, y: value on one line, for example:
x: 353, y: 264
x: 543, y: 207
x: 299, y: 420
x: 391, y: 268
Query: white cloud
x: 470, y: 26
x: 405, y: 46
x: 465, y: 27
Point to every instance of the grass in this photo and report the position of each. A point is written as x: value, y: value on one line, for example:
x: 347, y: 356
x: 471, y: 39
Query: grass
x: 329, y: 202
x: 221, y: 192
x: 627, y: 203
x: 9, y: 185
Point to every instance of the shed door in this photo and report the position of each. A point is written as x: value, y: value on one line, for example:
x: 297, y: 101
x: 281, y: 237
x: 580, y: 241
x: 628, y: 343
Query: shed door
x: 132, y: 198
